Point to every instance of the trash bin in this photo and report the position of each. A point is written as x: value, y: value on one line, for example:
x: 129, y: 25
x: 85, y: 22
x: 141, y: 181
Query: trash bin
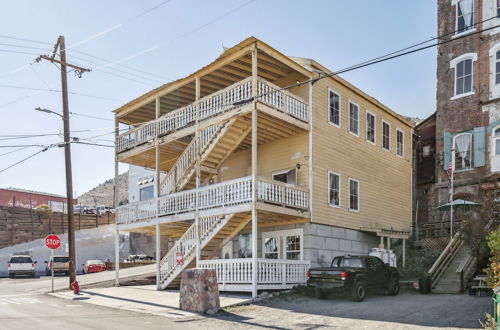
x: 424, y: 284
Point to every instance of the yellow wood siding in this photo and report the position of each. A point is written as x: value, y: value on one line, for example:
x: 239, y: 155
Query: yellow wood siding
x: 283, y: 154
x: 385, y: 178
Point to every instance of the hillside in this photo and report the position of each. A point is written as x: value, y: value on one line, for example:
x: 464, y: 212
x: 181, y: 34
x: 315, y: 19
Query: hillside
x: 103, y: 193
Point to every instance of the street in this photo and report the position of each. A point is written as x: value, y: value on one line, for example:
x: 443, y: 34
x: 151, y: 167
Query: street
x: 24, y: 305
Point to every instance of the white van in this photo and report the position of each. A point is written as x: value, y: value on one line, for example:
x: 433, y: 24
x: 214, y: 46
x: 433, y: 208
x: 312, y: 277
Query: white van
x: 21, y: 265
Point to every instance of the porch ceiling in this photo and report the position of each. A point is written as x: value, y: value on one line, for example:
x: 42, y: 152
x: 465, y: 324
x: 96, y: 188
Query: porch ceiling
x: 213, y: 78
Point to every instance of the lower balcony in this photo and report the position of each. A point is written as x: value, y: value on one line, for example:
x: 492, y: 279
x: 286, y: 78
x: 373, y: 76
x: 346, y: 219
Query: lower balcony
x: 272, y: 274
x: 217, y: 199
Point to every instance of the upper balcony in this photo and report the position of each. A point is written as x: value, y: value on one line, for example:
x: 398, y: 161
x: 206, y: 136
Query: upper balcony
x: 224, y: 101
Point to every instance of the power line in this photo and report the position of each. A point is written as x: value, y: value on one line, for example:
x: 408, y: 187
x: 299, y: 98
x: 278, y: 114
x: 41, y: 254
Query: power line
x: 13, y: 151
x: 23, y: 39
x: 24, y: 159
x: 91, y: 117
x: 55, y: 91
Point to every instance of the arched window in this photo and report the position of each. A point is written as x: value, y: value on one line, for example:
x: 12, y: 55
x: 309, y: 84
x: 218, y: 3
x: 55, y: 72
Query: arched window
x: 495, y: 149
x: 462, y: 145
x: 463, y: 66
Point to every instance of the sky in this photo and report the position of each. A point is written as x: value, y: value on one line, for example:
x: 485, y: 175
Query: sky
x: 160, y: 41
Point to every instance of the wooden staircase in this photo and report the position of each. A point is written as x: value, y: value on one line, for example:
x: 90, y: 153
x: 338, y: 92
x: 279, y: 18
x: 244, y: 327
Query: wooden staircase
x: 214, y: 232
x: 216, y: 144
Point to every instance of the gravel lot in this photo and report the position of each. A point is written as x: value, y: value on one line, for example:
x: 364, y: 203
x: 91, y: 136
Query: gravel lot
x: 405, y: 311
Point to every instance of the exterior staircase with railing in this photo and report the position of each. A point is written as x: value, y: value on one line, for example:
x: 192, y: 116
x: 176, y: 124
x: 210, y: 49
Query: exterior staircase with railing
x: 213, y: 232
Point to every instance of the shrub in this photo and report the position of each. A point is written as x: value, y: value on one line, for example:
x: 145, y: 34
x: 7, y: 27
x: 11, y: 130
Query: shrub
x: 44, y: 210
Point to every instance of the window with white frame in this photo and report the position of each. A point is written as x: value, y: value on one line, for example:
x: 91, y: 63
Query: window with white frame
x: 353, y: 118
x: 463, y: 77
x: 497, y: 67
x: 497, y: 7
x: 293, y: 247
x: 334, y: 189
x: 272, y: 248
x: 370, y: 127
x: 494, y: 54
x: 386, y: 135
x: 462, y: 144
x: 353, y: 194
x: 400, y: 143
x: 495, y: 150
x: 334, y: 108
x: 283, y: 244
x: 464, y: 16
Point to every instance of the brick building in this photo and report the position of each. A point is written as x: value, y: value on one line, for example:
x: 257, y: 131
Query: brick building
x: 31, y: 199
x: 465, y: 130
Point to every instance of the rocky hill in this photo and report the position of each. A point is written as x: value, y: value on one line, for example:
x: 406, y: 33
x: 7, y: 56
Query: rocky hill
x: 103, y: 193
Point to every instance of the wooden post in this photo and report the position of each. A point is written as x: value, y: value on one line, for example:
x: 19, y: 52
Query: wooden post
x: 115, y: 202
x: 62, y: 219
x: 254, y: 176
x: 80, y: 218
x: 31, y: 219
x: 404, y: 252
x: 197, y: 141
x: 157, y: 194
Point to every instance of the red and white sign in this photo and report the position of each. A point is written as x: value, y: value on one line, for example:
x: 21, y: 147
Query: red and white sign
x: 52, y: 242
x: 178, y: 258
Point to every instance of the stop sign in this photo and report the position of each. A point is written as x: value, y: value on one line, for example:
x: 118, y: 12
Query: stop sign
x: 52, y: 242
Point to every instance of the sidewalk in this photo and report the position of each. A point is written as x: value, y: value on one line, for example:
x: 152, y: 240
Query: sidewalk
x: 142, y: 299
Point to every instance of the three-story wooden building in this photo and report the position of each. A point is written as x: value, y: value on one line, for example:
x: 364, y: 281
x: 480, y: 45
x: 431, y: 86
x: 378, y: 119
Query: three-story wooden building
x: 261, y: 181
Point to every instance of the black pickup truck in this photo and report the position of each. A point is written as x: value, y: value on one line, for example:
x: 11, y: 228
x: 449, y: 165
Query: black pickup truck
x: 354, y: 275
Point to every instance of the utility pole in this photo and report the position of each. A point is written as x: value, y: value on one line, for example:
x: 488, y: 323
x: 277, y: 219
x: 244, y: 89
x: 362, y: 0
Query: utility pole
x: 67, y: 145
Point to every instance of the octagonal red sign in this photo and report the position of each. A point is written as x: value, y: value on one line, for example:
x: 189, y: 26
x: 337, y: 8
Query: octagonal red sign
x: 52, y: 242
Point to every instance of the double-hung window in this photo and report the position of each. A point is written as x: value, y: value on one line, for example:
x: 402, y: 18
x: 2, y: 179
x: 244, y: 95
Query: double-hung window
x: 465, y: 16
x: 463, y: 77
x: 353, y: 194
x: 386, y: 135
x: 370, y: 127
x: 462, y: 145
x: 334, y: 108
x: 354, y: 118
x: 497, y: 67
x: 292, y: 247
x: 334, y: 189
x: 399, y: 143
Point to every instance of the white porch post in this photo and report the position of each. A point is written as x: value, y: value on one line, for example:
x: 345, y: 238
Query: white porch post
x: 115, y: 201
x: 157, y: 194
x: 254, y: 175
x: 197, y: 141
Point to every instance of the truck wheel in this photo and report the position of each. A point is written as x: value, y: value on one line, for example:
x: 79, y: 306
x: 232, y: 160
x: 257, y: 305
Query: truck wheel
x: 358, y: 292
x: 321, y: 294
x: 393, y: 287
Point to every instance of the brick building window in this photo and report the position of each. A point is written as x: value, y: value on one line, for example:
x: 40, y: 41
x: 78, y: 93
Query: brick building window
x: 463, y: 76
x: 497, y: 68
x: 333, y: 189
x: 464, y: 15
x: 386, y: 135
x: 462, y: 143
x: 498, y: 8
x: 400, y: 142
x: 370, y: 127
x: 495, y: 150
x: 334, y: 108
x: 353, y: 195
x: 354, y: 118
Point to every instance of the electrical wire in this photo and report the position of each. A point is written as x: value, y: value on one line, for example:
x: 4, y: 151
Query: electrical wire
x: 88, y: 116
x: 24, y: 159
x: 13, y: 151
x: 27, y: 40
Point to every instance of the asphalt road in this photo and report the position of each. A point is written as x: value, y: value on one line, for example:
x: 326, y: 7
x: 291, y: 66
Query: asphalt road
x: 24, y: 305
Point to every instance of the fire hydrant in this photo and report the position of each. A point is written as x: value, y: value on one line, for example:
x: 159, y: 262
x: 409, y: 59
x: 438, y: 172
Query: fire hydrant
x: 76, y: 287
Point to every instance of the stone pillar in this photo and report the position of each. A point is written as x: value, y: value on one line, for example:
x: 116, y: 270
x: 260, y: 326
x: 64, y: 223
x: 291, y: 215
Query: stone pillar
x: 199, y: 291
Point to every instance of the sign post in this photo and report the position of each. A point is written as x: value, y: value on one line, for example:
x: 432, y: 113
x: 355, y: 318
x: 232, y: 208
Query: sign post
x: 52, y: 242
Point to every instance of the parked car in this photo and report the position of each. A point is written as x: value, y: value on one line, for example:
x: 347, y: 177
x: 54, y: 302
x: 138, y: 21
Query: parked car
x: 136, y: 257
x: 78, y: 208
x: 354, y: 275
x: 21, y: 265
x: 105, y: 209
x: 60, y: 264
x: 89, y: 210
x: 94, y: 266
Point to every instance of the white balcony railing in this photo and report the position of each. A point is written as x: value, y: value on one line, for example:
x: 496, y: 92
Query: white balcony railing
x: 212, y: 105
x: 227, y: 193
x: 269, y: 271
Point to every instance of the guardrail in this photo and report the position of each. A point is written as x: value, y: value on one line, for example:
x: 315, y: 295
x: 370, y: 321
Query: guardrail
x: 212, y: 105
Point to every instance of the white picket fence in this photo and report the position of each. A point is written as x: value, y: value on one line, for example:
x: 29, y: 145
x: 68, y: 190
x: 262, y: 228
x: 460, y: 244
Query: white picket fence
x: 212, y: 105
x: 276, y: 272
